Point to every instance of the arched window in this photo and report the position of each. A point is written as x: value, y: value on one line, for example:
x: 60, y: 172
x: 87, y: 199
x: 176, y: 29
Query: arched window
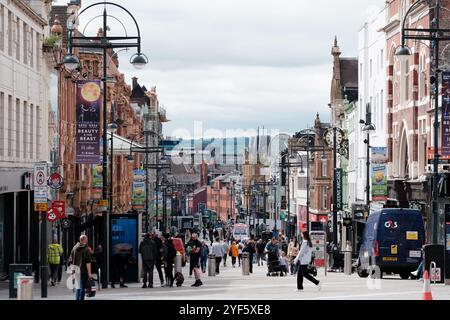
x: 404, y: 84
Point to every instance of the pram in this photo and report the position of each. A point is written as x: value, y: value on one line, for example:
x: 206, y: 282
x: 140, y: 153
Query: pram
x: 273, y: 265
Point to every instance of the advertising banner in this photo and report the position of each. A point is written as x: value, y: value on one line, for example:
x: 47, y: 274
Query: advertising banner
x: 339, y: 189
x: 446, y: 113
x: 88, y: 102
x: 138, y: 198
x: 379, y: 174
x: 124, y: 243
x: 169, y: 206
x: 97, y: 179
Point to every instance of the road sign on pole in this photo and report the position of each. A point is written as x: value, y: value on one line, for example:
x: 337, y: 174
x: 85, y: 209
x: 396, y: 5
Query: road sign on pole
x: 40, y: 183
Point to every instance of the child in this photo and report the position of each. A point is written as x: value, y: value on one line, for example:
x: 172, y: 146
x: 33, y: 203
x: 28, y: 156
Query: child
x: 283, y: 263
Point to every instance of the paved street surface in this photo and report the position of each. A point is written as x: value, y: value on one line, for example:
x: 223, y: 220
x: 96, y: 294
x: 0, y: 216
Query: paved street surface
x: 231, y: 285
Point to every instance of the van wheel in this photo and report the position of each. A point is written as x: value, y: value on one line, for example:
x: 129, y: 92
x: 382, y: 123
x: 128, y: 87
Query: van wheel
x: 404, y: 275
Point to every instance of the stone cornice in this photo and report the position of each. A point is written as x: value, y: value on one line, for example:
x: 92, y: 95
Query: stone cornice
x: 30, y: 12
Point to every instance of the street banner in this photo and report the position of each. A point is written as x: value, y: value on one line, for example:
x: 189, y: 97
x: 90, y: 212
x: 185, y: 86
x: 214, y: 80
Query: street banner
x: 169, y: 206
x: 339, y: 188
x: 138, y: 197
x: 40, y: 183
x: 59, y: 208
x: 379, y: 174
x: 446, y: 113
x: 97, y: 179
x: 88, y: 102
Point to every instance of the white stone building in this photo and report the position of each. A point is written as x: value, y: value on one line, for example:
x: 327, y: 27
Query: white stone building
x: 24, y: 112
x: 372, y: 91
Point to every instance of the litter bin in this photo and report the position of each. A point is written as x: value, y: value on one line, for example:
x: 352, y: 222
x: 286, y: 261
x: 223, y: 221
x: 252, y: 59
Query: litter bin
x: 211, y: 265
x: 245, y: 264
x: 435, y: 253
x: 348, y: 260
x: 178, y: 262
x: 25, y: 288
x: 15, y: 271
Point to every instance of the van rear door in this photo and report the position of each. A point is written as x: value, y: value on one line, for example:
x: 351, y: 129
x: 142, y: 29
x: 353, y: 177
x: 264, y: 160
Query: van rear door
x: 400, y: 237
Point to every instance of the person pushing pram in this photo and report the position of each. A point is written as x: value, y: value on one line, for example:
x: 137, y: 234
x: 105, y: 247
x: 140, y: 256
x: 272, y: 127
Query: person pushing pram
x: 273, y: 254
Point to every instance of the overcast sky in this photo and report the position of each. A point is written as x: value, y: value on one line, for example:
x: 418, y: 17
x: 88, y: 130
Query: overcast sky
x: 239, y: 64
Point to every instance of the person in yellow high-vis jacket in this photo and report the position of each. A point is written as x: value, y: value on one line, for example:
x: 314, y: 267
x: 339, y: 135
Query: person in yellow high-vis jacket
x: 54, y: 253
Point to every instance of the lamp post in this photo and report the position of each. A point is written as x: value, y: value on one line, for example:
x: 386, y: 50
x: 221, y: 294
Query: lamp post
x: 368, y: 128
x: 435, y: 35
x: 71, y: 62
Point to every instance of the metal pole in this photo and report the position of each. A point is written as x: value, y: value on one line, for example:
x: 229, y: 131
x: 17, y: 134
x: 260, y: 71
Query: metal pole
x: 335, y: 187
x: 147, y: 180
x: 307, y: 188
x: 44, y: 267
x: 368, y: 173
x: 288, y: 204
x: 111, y: 186
x: 105, y: 272
x: 275, y: 207
x: 436, y: 132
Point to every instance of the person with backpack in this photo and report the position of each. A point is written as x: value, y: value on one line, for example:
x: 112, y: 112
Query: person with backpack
x: 302, y: 261
x: 81, y: 259
x: 250, y: 249
x: 168, y: 253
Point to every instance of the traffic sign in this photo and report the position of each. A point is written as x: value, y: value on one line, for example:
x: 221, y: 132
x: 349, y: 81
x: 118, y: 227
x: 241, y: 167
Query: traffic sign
x: 40, y: 207
x: 66, y: 223
x: 59, y: 207
x: 55, y: 181
x: 51, y: 216
x: 40, y: 182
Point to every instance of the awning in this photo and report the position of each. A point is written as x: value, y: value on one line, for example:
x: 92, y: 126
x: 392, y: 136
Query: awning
x: 122, y: 145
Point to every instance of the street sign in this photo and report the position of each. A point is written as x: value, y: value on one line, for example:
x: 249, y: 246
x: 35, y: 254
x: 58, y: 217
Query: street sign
x: 55, y: 181
x: 339, y: 189
x: 59, y: 207
x: 319, y: 244
x: 40, y: 182
x: 51, y: 216
x: 66, y: 223
x: 102, y: 205
x: 40, y: 207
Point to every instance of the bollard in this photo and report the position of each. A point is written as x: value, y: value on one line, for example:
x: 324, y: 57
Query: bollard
x: 348, y: 263
x: 211, y: 265
x: 245, y: 264
x: 178, y: 262
x: 25, y: 288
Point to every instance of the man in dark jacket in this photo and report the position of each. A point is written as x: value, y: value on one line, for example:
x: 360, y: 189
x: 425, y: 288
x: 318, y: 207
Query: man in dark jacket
x: 158, y: 260
x: 148, y: 251
x: 204, y: 251
x: 81, y: 258
x: 169, y: 254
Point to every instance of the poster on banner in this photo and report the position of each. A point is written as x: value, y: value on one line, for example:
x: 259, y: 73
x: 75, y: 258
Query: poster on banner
x: 138, y: 197
x: 88, y: 102
x: 97, y: 179
x: 379, y: 174
x: 445, y: 113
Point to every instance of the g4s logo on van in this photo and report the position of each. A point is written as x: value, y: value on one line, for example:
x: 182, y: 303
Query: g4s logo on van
x: 391, y: 224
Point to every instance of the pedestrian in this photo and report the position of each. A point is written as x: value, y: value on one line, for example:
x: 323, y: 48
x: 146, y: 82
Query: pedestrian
x: 169, y: 253
x: 54, y: 253
x: 284, y: 262
x: 225, y: 250
x: 240, y: 248
x: 284, y: 244
x: 292, y: 254
x: 302, y: 260
x: 217, y: 250
x: 250, y: 249
x: 158, y: 261
x: 260, y: 247
x: 234, y: 253
x: 204, y: 255
x: 62, y: 263
x: 81, y: 258
x: 121, y: 258
x: 211, y: 235
x: 204, y: 233
x: 196, y: 246
x: 147, y: 249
